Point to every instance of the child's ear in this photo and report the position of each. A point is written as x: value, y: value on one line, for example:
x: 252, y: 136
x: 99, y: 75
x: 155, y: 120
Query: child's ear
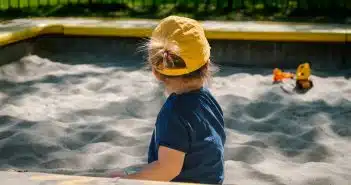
x: 156, y: 74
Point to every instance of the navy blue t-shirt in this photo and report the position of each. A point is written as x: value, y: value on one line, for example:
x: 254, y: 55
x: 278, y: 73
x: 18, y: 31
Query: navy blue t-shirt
x: 192, y: 123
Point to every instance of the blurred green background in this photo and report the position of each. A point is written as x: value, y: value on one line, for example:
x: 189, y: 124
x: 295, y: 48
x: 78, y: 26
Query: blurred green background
x: 274, y: 10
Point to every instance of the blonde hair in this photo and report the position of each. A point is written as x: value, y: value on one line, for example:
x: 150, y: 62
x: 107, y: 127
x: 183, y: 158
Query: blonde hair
x: 162, y: 53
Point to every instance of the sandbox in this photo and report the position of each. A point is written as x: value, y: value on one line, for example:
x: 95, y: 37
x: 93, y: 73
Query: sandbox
x: 74, y: 96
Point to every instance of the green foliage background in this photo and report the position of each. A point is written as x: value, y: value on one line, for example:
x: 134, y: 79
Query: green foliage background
x: 281, y: 10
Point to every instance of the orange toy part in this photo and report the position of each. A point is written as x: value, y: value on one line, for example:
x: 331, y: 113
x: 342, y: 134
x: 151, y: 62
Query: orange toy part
x: 279, y: 75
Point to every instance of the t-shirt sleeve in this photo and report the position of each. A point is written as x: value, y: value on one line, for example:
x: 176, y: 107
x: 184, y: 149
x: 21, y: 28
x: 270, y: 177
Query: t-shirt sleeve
x: 173, y: 133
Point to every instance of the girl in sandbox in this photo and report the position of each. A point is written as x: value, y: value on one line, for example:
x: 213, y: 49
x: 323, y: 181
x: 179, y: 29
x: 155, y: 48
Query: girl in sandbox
x: 187, y: 144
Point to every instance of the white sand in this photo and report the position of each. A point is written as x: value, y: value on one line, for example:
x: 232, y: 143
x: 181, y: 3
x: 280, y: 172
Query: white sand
x: 66, y: 118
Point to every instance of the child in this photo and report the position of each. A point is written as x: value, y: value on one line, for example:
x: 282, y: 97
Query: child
x: 187, y: 144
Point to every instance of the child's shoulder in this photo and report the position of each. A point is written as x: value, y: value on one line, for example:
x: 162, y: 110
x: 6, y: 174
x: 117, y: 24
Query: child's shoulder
x: 191, y: 100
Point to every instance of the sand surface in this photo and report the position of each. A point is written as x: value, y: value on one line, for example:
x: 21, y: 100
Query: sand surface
x: 87, y: 119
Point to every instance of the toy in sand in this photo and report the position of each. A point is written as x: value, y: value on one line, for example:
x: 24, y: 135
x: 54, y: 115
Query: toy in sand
x: 303, y: 74
x: 279, y: 75
x: 302, y: 78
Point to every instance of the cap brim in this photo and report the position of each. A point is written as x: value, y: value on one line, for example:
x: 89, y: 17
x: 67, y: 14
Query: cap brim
x: 174, y: 72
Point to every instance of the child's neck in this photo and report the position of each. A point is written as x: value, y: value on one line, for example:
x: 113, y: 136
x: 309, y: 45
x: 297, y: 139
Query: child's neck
x: 180, y: 89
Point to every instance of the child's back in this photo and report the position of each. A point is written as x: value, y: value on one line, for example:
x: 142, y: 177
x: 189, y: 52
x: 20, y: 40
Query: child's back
x: 193, y: 123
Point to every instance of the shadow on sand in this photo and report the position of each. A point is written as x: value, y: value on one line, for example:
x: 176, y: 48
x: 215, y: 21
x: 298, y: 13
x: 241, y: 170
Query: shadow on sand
x: 288, y: 127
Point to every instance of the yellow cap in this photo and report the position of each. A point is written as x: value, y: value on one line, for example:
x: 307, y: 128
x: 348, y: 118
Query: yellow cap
x: 303, y: 71
x: 189, y: 36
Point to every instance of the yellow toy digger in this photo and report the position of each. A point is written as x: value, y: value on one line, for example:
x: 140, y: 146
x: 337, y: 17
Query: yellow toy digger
x: 303, y: 83
x: 302, y: 77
